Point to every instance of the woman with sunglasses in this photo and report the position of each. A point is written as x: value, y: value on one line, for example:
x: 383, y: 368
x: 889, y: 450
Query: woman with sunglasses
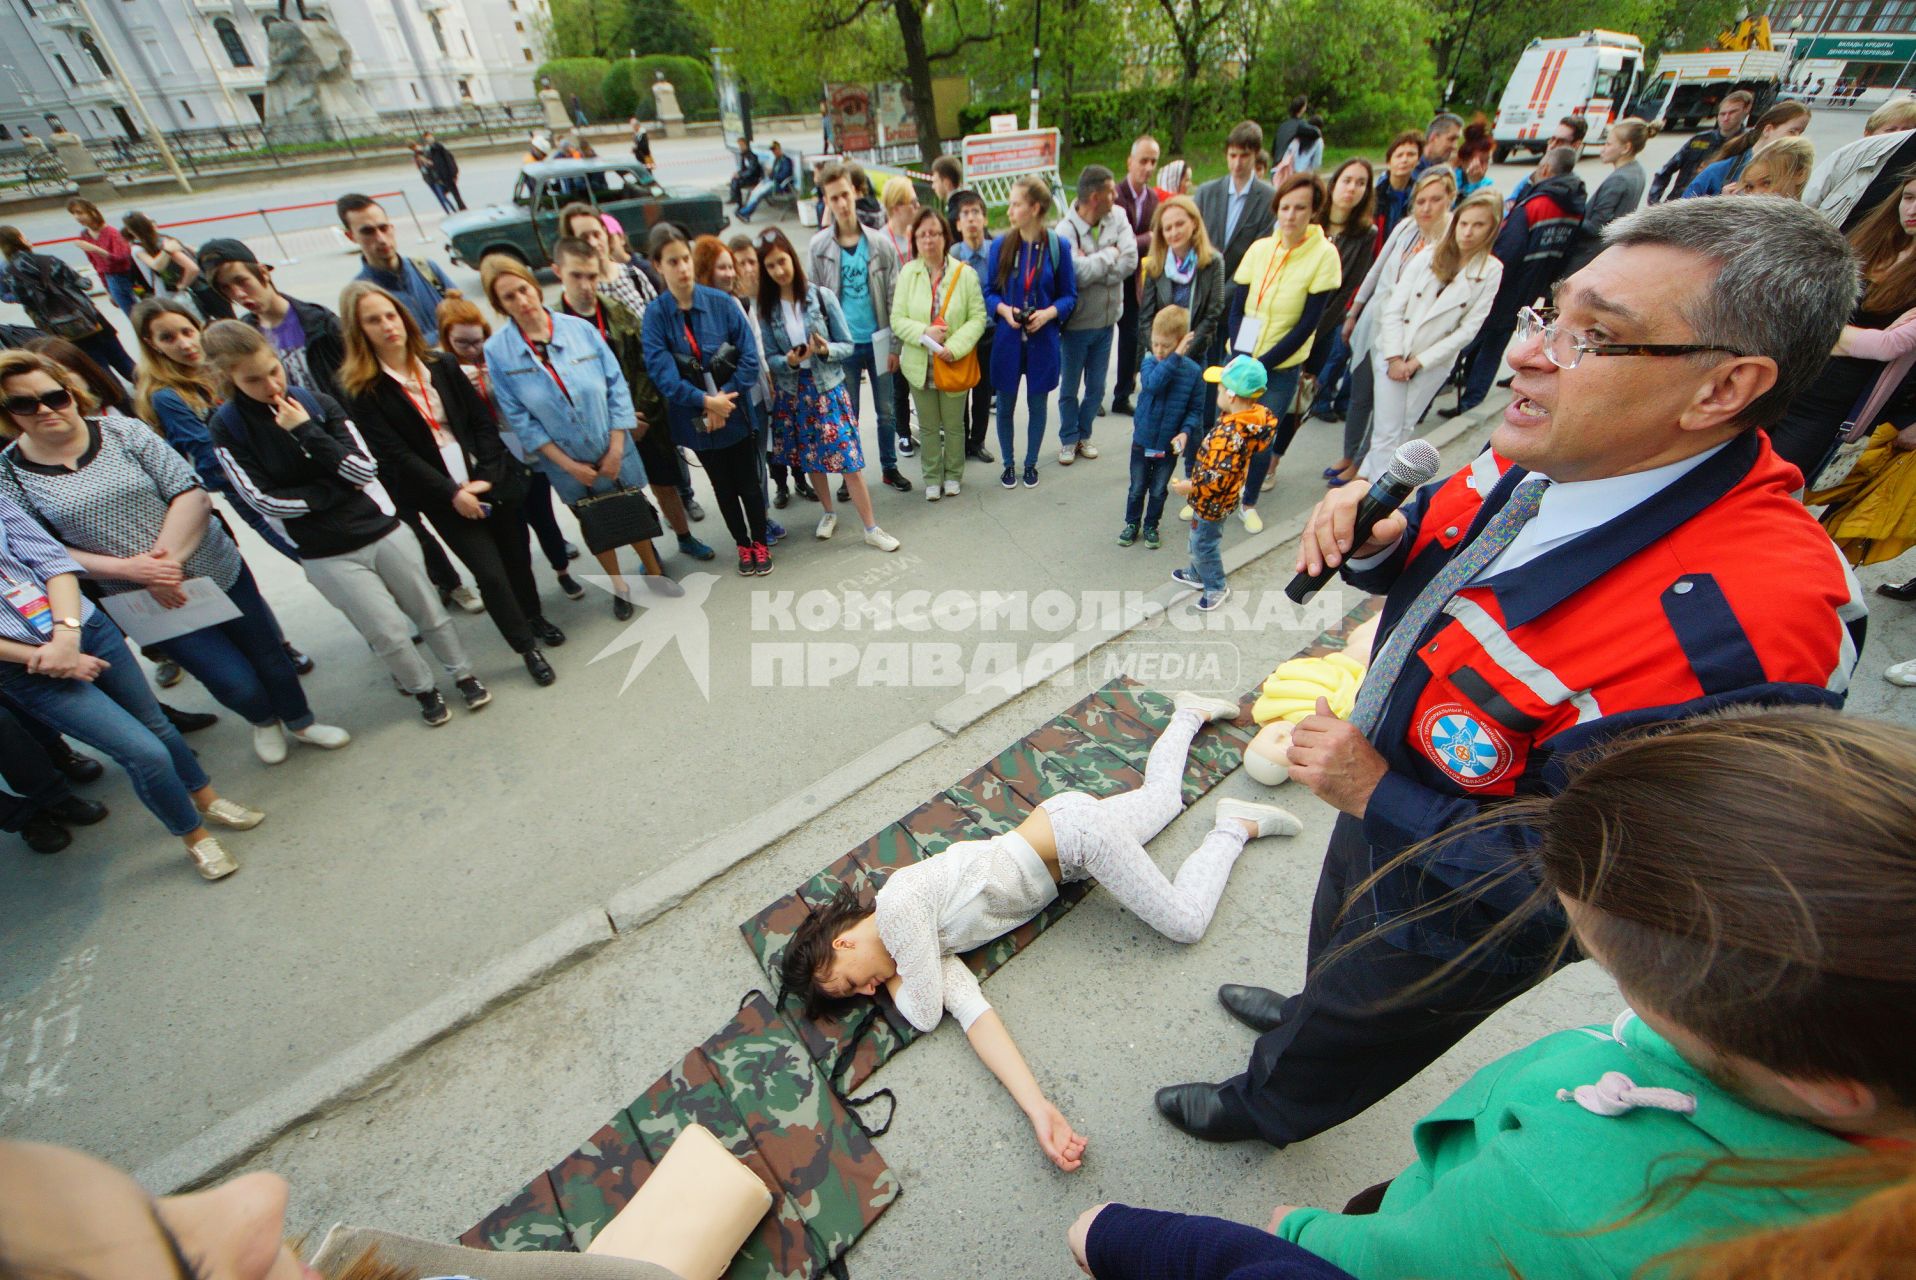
x: 134, y: 516
x: 63, y: 660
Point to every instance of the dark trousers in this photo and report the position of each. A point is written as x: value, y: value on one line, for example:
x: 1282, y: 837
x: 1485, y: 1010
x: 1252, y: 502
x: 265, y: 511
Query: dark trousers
x: 1127, y: 343
x: 981, y: 397
x: 540, y: 517
x: 901, y: 404
x: 29, y: 782
x: 438, y: 567
x: 1487, y: 357
x: 243, y: 662
x: 452, y: 189
x: 740, y: 494
x: 1346, y: 1041
x: 106, y: 350
x: 1150, y: 481
x: 499, y: 554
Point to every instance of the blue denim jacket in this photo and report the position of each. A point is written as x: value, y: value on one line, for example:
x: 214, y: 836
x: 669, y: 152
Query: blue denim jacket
x: 822, y: 317
x: 715, y: 320
x: 538, y: 413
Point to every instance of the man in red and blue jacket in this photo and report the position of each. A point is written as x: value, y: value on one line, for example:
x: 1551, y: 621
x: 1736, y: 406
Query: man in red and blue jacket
x: 1628, y: 551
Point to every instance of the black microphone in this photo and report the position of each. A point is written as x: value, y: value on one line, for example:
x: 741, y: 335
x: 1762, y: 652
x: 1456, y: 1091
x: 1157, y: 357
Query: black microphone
x: 1413, y: 465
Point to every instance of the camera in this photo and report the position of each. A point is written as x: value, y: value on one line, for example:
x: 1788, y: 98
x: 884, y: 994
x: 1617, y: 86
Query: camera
x: 1023, y: 315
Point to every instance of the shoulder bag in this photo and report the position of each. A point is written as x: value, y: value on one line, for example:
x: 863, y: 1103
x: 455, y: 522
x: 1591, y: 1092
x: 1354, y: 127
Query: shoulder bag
x: 953, y: 375
x: 616, y: 518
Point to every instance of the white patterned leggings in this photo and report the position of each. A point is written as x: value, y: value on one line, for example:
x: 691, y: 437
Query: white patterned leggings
x: 1105, y: 839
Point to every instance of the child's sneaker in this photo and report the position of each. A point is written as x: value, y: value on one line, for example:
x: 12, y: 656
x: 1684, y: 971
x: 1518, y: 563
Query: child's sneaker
x: 1151, y: 540
x: 1185, y: 578
x: 1252, y: 520
x: 1207, y: 602
x: 1127, y: 535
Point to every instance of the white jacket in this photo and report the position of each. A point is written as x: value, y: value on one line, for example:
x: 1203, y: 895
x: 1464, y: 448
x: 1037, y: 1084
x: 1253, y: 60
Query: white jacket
x: 1839, y: 182
x: 1433, y: 321
x: 1105, y: 258
x: 1382, y: 278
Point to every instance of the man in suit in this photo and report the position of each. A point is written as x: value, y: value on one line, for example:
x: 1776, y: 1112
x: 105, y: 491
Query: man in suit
x: 1237, y: 213
x: 1138, y: 199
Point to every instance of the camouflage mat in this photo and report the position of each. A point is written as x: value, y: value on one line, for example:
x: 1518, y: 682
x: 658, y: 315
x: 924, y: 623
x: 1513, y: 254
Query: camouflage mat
x: 755, y: 1086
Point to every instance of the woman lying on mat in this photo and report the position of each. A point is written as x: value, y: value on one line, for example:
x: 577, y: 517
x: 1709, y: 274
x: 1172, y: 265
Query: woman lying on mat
x: 978, y: 889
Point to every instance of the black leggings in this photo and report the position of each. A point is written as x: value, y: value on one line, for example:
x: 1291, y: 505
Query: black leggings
x: 544, y: 521
x: 733, y: 472
x: 498, y: 552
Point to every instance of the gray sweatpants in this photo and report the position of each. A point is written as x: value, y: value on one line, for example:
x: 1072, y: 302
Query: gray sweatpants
x: 383, y: 590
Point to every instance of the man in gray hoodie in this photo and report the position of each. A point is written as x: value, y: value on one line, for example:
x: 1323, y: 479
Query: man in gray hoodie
x: 1105, y: 254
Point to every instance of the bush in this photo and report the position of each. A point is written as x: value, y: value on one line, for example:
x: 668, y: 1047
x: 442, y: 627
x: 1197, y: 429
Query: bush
x: 627, y: 86
x: 583, y: 76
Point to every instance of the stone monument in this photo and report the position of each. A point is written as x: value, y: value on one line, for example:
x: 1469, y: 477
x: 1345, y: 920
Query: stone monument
x: 666, y: 99
x: 310, y: 90
x: 80, y: 166
x: 554, y: 106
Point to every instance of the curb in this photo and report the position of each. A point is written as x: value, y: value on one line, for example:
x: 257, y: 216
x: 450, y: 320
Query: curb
x: 351, y: 1073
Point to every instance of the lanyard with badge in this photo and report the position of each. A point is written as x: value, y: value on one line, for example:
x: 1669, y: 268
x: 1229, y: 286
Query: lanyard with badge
x: 1251, y: 327
x: 541, y: 351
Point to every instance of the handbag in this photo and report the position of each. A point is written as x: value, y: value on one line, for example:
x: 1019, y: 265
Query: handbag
x: 1852, y: 438
x: 616, y: 518
x: 954, y: 375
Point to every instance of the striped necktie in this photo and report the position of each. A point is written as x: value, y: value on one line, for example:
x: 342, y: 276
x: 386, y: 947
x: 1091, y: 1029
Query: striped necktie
x: 1388, y: 662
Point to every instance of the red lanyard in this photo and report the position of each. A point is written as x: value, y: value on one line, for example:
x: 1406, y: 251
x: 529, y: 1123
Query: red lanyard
x: 423, y: 403
x: 902, y: 250
x: 690, y: 340
x: 598, y: 318
x: 539, y: 353
x: 1031, y: 272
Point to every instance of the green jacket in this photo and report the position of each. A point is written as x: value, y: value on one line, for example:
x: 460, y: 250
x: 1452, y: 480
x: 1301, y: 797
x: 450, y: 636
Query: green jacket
x: 1511, y: 1173
x: 912, y: 309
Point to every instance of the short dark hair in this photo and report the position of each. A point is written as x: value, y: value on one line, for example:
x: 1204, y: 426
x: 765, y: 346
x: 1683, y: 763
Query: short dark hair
x: 1408, y: 138
x: 1092, y: 179
x: 1298, y: 104
x: 965, y: 199
x: 1579, y: 126
x: 11, y: 241
x: 1319, y: 193
x: 948, y: 168
x: 1245, y: 135
x: 809, y: 954
x: 577, y: 209
x: 834, y: 171
x: 351, y: 202
x: 662, y: 234
x: 573, y: 247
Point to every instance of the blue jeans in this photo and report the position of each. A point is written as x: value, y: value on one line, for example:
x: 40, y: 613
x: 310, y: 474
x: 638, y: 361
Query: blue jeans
x: 1037, y: 409
x: 764, y: 189
x: 1087, y: 352
x: 118, y: 715
x: 862, y: 365
x: 120, y: 289
x: 1206, y: 562
x: 1150, y: 480
x: 1277, y: 398
x: 1333, y: 388
x: 242, y: 664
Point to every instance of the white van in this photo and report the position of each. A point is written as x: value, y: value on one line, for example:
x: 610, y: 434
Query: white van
x: 1687, y: 86
x: 1593, y: 75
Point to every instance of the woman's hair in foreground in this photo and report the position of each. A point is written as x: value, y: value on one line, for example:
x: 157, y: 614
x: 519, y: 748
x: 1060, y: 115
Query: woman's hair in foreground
x: 809, y: 954
x: 1750, y: 876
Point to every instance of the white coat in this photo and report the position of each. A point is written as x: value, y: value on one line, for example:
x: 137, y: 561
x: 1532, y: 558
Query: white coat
x: 1433, y: 321
x: 1404, y: 244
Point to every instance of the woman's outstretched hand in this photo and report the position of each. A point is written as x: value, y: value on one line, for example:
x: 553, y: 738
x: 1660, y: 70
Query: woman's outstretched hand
x: 1062, y: 1144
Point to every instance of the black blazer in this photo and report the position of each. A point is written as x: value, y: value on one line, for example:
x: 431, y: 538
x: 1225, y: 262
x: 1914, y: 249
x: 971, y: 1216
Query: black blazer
x: 1209, y: 292
x: 409, y: 461
x: 1253, y: 224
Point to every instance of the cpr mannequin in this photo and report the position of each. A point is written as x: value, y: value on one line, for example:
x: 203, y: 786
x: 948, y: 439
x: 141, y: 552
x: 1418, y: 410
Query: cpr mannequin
x: 1290, y: 693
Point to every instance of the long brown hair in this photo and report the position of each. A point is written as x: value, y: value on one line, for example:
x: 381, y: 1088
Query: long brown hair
x: 1881, y: 242
x: 1782, y: 113
x: 1161, y: 247
x: 1751, y: 877
x: 1036, y: 191
x: 1358, y: 221
x: 771, y: 241
x: 159, y: 371
x: 1447, y: 259
x: 360, y: 369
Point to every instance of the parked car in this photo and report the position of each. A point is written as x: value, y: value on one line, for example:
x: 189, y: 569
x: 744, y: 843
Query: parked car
x: 626, y: 189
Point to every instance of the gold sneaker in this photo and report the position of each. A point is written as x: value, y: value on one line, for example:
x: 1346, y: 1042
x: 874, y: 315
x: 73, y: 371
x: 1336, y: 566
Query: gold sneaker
x: 231, y: 813
x: 213, y: 862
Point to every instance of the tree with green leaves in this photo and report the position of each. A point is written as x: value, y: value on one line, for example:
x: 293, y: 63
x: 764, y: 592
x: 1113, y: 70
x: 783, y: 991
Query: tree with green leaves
x: 1194, y: 30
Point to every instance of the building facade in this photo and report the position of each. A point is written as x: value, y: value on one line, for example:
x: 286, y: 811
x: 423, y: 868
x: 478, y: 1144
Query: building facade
x: 1863, y: 45
x: 200, y: 64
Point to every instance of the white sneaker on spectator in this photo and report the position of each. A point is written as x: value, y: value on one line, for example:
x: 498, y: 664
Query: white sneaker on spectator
x: 1067, y: 455
x: 463, y: 596
x: 269, y: 744
x: 1087, y: 450
x: 827, y: 526
x: 877, y: 537
x: 212, y: 861
x: 951, y: 488
x: 933, y: 493
x: 1902, y: 673
x: 327, y: 737
x: 1252, y: 520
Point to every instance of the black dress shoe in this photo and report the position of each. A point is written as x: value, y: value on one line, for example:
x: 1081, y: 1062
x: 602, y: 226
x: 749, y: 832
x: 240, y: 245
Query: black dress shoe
x: 76, y: 767
x: 301, y: 663
x: 844, y: 492
x: 782, y: 499
x: 897, y: 481
x: 549, y: 636
x: 1122, y: 405
x: 189, y: 721
x: 1258, y: 1008
x: 1898, y: 590
x: 542, y: 672
x: 44, y: 835
x: 622, y: 608
x: 76, y: 812
x: 1455, y: 411
x: 1202, y: 1111
x: 980, y: 454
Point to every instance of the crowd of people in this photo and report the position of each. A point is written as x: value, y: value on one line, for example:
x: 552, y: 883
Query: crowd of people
x: 1600, y: 720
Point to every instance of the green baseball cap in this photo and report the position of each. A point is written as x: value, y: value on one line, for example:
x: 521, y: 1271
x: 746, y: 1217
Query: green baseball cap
x: 1243, y: 377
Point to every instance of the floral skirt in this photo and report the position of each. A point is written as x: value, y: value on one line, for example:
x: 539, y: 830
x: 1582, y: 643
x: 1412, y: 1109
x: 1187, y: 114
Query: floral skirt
x: 815, y: 430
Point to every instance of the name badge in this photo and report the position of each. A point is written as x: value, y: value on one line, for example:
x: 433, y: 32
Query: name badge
x: 1249, y: 330
x: 29, y: 600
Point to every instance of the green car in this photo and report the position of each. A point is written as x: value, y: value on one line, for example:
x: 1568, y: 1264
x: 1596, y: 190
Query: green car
x: 626, y: 189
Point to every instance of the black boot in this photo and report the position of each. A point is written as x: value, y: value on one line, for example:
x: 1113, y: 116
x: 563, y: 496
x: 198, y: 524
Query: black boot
x: 43, y: 834
x: 1258, y: 1008
x: 76, y: 767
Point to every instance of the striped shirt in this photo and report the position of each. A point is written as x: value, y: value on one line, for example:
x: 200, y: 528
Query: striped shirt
x: 29, y: 557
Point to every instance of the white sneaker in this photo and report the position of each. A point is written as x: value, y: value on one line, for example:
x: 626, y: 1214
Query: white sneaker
x: 933, y: 493
x: 466, y: 599
x: 827, y: 526
x: 327, y: 737
x: 231, y: 813
x: 1252, y: 520
x: 212, y: 862
x: 1067, y: 455
x: 269, y: 744
x: 1903, y: 673
x: 1270, y: 820
x: 1205, y: 705
x: 877, y: 537
x: 1087, y: 450
x: 1187, y: 512
x: 951, y: 488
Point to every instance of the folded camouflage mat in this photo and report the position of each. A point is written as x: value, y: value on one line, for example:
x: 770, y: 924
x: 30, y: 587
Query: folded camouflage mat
x: 755, y: 1087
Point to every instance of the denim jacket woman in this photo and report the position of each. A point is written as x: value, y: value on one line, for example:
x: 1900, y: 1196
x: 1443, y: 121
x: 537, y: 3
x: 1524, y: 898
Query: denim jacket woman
x: 824, y: 319
x: 579, y: 419
x: 714, y: 320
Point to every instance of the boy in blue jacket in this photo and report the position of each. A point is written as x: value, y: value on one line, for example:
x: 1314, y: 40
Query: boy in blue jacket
x: 1169, y: 408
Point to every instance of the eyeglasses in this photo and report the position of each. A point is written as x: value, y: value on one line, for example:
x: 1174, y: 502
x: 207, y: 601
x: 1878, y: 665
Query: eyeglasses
x: 1566, y: 350
x: 22, y: 406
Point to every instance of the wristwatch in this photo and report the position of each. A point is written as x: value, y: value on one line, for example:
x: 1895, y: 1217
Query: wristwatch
x: 71, y: 624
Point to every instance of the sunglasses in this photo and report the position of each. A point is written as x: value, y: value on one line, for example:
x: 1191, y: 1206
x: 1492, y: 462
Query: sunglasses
x: 22, y: 406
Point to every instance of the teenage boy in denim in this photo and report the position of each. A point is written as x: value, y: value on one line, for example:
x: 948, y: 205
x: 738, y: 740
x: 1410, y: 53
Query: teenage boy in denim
x: 1216, y: 482
x: 1168, y: 413
x: 969, y: 218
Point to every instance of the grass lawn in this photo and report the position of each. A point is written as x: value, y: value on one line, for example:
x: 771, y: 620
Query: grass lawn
x: 1203, y: 150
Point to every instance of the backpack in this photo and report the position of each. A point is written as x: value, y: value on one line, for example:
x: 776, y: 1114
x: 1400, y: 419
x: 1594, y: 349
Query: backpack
x: 60, y: 306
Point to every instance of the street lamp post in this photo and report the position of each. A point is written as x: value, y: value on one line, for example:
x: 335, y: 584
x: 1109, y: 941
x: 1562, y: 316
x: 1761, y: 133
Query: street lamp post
x: 133, y: 94
x: 1037, y: 18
